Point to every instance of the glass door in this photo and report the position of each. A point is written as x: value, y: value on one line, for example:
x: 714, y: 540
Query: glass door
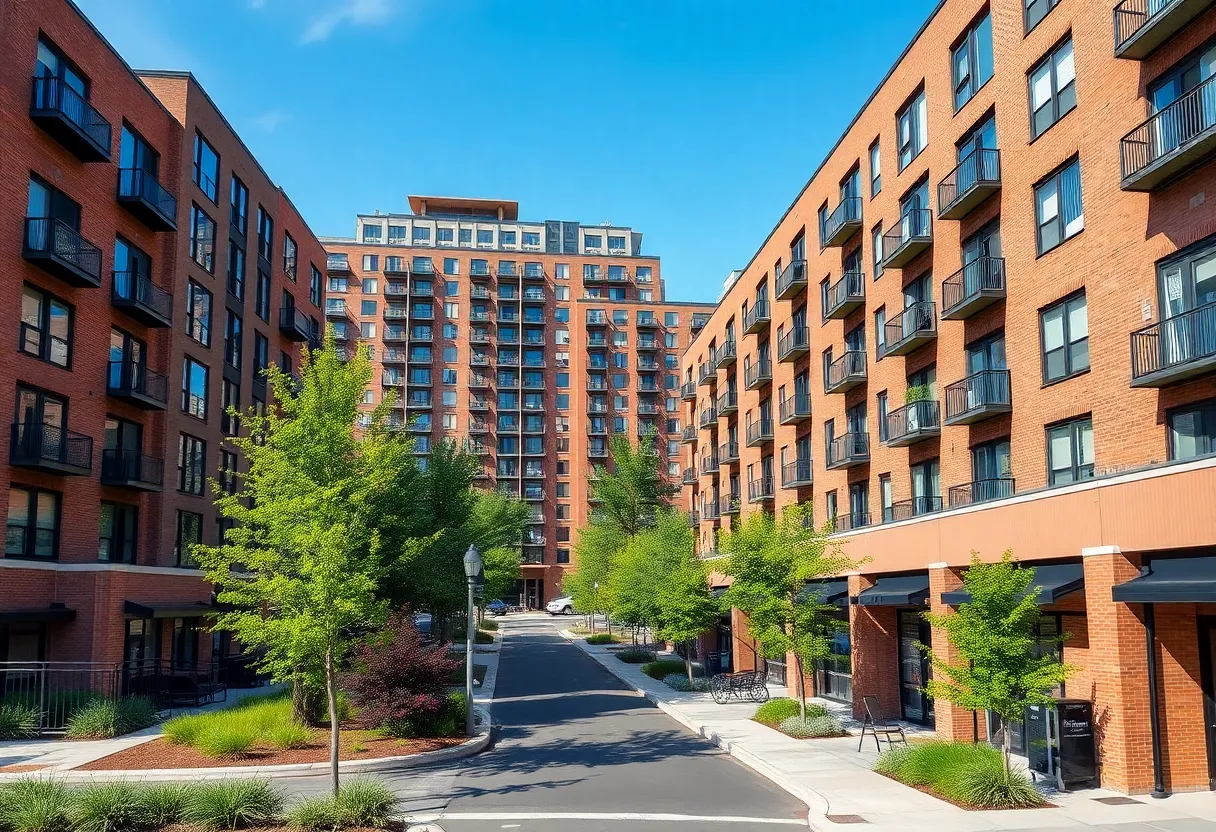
x: 914, y: 669
x: 1186, y: 286
x: 926, y: 487
x: 1207, y: 670
x: 978, y: 251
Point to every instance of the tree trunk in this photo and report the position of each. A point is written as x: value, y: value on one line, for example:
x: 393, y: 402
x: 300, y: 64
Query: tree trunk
x: 1006, y: 748
x: 688, y: 663
x: 801, y: 689
x: 305, y: 701
x: 331, y: 685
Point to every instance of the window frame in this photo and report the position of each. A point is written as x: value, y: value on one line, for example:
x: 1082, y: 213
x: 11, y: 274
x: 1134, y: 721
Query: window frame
x: 1076, y: 468
x: 875, y: 156
x: 181, y: 558
x: 913, y: 107
x: 45, y: 339
x: 1049, y: 58
x: 188, y: 365
x: 189, y: 449
x: 1068, y: 342
x: 969, y: 41
x: 204, y: 259
x: 199, y: 141
x: 197, y: 326
x: 1029, y: 27
x: 1205, y: 410
x: 31, y: 540
x: 117, y: 532
x: 1056, y: 177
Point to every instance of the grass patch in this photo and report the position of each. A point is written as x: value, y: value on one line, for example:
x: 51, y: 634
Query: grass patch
x: 232, y: 804
x: 34, y: 806
x: 103, y: 719
x: 18, y: 721
x: 109, y: 807
x: 666, y: 667
x: 601, y: 638
x: 775, y: 711
x: 972, y: 776
x: 483, y: 638
x: 360, y: 803
x: 234, y: 732
x: 636, y: 655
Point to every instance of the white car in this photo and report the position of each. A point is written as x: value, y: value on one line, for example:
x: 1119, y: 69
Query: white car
x: 560, y: 606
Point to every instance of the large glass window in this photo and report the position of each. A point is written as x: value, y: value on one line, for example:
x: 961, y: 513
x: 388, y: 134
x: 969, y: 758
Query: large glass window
x: 1059, y: 213
x: 191, y: 464
x: 238, y: 205
x: 33, y: 523
x: 198, y: 313
x: 202, y: 238
x: 116, y: 540
x: 194, y: 388
x: 971, y: 61
x: 1070, y: 451
x: 912, y: 130
x: 206, y: 167
x: 1193, y: 431
x: 46, y: 327
x: 1065, y: 338
x: 189, y: 535
x: 1053, y: 90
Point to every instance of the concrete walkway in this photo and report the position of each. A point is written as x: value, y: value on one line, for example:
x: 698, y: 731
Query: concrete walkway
x: 837, y: 783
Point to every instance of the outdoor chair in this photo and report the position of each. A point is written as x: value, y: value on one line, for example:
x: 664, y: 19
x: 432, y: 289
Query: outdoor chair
x: 878, y: 724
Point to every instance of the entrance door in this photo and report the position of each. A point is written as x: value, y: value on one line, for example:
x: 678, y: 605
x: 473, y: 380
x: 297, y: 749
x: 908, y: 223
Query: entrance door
x: 1207, y: 670
x: 914, y: 668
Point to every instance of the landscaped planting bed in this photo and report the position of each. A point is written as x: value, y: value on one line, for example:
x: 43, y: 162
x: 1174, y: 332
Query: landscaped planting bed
x: 782, y: 714
x: 969, y: 776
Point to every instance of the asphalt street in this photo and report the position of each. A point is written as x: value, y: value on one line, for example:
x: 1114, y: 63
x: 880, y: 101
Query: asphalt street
x: 578, y: 750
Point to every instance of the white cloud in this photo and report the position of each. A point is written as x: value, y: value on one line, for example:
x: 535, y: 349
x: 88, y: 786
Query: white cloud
x: 353, y: 12
x: 270, y: 120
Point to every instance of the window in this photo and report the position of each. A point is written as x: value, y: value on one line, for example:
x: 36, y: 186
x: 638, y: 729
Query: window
x: 371, y: 262
x: 443, y: 235
x: 531, y: 239
x: 229, y: 424
x: 236, y: 270
x: 882, y: 415
x: 887, y: 497
x: 198, y: 313
x: 912, y: 130
x: 371, y: 233
x: 206, y: 167
x: 33, y: 523
x: 1036, y: 10
x: 46, y: 327
x: 202, y: 238
x: 289, y: 257
x: 451, y: 310
x: 464, y: 236
x: 191, y: 464
x: 1070, y: 451
x: 228, y: 472
x: 449, y: 376
x: 232, y: 340
x: 238, y: 205
x: 314, y: 286
x: 367, y: 307
x: 261, y: 354
x: 265, y: 234
x: 876, y: 248
x: 422, y: 235
x: 875, y: 170
x: 1193, y: 431
x: 194, y: 388
x: 189, y: 535
x: 593, y: 241
x: 971, y: 61
x: 1065, y: 328
x: 485, y: 237
x: 1053, y: 91
x: 369, y: 286
x: 261, y: 297
x: 1057, y: 205
x: 367, y: 330
x: 561, y: 271
x: 880, y: 332
x: 116, y: 541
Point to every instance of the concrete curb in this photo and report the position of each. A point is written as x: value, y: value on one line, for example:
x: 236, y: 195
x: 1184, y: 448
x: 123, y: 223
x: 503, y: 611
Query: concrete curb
x: 817, y: 804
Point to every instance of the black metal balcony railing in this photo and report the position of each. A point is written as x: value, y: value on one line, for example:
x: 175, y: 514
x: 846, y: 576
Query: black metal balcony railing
x: 843, y: 222
x: 914, y: 507
x: 793, y: 344
x: 795, y: 409
x: 690, y: 476
x: 760, y: 489
x: 51, y: 449
x: 757, y: 374
x: 725, y: 354
x: 757, y: 318
x: 648, y: 343
x: 1171, y: 140
x: 911, y: 329
x: 294, y: 324
x: 694, y: 518
x: 423, y: 266
x: 850, y: 522
x: 646, y: 321
x: 479, y: 270
x: 759, y: 432
x: 845, y: 295
x: 728, y: 452
x: 689, y: 434
x: 131, y: 469
x: 60, y: 250
x: 133, y: 382
x: 972, y: 181
x: 64, y: 113
x: 597, y: 450
x: 729, y: 504
x: 848, y: 449
x: 1174, y: 349
x: 395, y: 313
x: 913, y: 422
x: 796, y: 474
x: 688, y: 390
x: 727, y: 403
x: 981, y: 491
x: 1143, y: 25
x: 706, y: 373
x: 139, y: 297
x: 911, y: 236
x: 141, y: 194
x: 709, y: 464
x: 791, y: 281
x: 845, y: 372
x: 978, y: 396
x: 975, y: 286
x: 709, y: 417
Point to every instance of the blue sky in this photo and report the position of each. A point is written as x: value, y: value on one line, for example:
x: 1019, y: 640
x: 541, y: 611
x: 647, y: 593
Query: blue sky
x: 695, y: 123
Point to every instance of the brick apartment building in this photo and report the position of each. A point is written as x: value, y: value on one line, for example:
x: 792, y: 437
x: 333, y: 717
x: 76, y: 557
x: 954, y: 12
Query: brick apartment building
x: 152, y: 268
x: 988, y: 322
x: 529, y: 342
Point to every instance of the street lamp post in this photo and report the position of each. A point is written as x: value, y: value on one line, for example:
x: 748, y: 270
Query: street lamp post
x: 472, y: 571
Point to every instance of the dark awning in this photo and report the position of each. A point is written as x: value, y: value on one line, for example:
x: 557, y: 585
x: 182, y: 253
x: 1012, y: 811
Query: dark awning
x: 825, y: 592
x: 1177, y: 580
x: 198, y: 609
x: 899, y: 591
x: 1054, y: 582
x: 53, y: 614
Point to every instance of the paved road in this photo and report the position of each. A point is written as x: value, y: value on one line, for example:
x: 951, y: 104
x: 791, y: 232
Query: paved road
x: 579, y: 750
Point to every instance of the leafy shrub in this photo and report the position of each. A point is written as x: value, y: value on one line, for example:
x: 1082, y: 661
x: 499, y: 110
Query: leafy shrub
x: 288, y: 735
x: 226, y: 740
x: 636, y: 655
x: 822, y: 725
x: 971, y: 775
x: 109, y: 807
x: 398, y: 682
x: 489, y: 624
x: 679, y: 681
x: 18, y: 721
x: 164, y: 802
x: 34, y: 806
x: 482, y: 638
x: 103, y: 719
x: 774, y: 711
x: 665, y: 667
x: 360, y: 803
x: 232, y: 804
x: 447, y: 722
x: 601, y: 638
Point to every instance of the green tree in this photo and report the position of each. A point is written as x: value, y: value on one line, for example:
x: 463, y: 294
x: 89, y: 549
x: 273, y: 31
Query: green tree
x: 773, y: 560
x: 639, y: 566
x: 629, y: 492
x: 685, y: 607
x: 1001, y: 668
x: 298, y: 572
x: 587, y: 584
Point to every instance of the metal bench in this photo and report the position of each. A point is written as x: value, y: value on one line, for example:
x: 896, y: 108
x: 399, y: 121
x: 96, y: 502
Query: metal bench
x: 748, y: 684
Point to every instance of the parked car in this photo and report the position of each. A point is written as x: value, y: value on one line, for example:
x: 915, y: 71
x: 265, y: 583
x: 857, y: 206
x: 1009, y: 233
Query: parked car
x: 561, y: 606
x: 497, y: 607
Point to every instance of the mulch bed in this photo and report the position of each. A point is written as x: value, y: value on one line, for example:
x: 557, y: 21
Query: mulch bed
x: 161, y: 754
x: 965, y: 806
x: 393, y: 826
x: 774, y: 726
x: 20, y: 768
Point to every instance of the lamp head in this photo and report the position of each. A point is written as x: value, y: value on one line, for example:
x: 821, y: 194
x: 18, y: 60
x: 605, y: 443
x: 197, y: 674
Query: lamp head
x: 472, y: 563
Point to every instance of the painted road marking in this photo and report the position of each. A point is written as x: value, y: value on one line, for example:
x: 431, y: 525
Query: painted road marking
x: 621, y: 816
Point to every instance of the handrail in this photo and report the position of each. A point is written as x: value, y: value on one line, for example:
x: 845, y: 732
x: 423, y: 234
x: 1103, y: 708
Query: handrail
x: 1170, y: 129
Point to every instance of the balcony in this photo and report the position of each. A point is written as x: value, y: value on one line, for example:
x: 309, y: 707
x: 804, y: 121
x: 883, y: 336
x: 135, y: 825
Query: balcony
x: 688, y: 391
x: 599, y: 408
x: 394, y: 334
x: 646, y: 322
x: 534, y: 273
x: 848, y: 451
x: 648, y: 409
x: 689, y: 435
x: 135, y: 384
x: 395, y: 266
x: 294, y: 324
x: 981, y: 491
x: 850, y: 522
x: 796, y: 409
x: 759, y: 432
x: 1143, y: 25
x: 791, y: 281
x: 395, y: 356
x: 648, y: 385
x: 131, y: 469
x: 730, y: 504
x: 478, y: 428
x: 394, y: 313
x: 842, y: 223
x: 1175, y: 349
x: 479, y: 271
x: 141, y: 194
x: 478, y: 405
x: 757, y: 318
x: 979, y: 396
x: 709, y: 464
x: 597, y: 383
x: 137, y: 296
x: 58, y: 249
x: 728, y: 452
x: 70, y: 119
x: 725, y: 355
x: 694, y: 519
x: 845, y: 296
x: 1180, y: 136
x: 690, y: 476
x: 912, y: 423
x: 760, y: 490
x: 337, y: 263
x: 911, y: 329
x: 845, y: 372
x: 709, y: 511
x: 727, y: 403
x: 974, y: 287
x: 423, y: 265
x: 757, y: 374
x: 647, y: 343
x: 534, y: 494
x: 422, y: 290
x: 335, y: 308
x: 507, y: 316
x: 478, y: 381
x: 913, y: 236
x: 707, y: 374
x: 973, y: 180
x: 914, y: 507
x: 796, y: 474
x: 597, y: 319
x: 709, y: 418
x: 395, y: 290
x: 597, y: 450
x: 51, y: 450
x: 793, y: 345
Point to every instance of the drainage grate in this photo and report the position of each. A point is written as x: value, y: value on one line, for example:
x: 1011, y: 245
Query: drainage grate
x: 1118, y: 801
x: 846, y: 818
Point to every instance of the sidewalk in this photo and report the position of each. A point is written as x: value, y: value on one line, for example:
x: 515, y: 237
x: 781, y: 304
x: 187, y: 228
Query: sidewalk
x: 839, y: 787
